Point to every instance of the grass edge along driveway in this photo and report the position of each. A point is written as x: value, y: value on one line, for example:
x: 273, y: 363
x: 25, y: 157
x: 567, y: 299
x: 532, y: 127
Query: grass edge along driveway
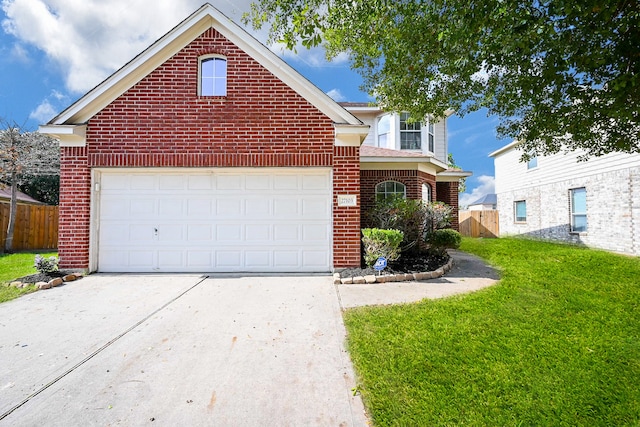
x: 555, y: 342
x: 17, y: 265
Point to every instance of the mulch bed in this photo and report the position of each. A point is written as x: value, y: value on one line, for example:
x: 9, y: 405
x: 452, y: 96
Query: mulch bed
x: 408, y: 263
x: 43, y: 277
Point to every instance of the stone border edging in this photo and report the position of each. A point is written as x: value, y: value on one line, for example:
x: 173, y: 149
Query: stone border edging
x: 50, y: 284
x: 402, y: 277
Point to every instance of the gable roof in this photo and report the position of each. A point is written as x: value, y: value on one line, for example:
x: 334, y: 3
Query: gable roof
x: 70, y: 124
x: 487, y: 199
x: 5, y: 194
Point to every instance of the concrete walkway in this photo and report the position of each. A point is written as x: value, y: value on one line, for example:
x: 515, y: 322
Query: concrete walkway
x: 177, y: 350
x: 469, y: 273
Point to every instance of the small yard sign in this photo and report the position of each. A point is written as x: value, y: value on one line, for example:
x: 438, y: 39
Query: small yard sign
x: 380, y: 264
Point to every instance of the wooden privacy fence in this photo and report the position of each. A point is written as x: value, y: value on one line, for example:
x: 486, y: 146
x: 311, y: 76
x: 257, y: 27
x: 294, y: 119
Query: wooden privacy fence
x: 479, y: 223
x: 36, y: 227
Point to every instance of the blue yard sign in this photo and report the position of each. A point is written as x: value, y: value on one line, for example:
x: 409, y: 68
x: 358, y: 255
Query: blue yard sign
x: 380, y: 264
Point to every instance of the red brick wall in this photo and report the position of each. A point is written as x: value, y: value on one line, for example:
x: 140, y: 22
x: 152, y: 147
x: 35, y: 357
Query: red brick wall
x: 412, y: 179
x: 75, y: 192
x: 346, y: 220
x: 162, y: 122
x: 448, y: 193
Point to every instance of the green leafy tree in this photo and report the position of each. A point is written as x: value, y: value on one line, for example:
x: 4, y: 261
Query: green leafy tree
x: 561, y: 74
x: 24, y: 154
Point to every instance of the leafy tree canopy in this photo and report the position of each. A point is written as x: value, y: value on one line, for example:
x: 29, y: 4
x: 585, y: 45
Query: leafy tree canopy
x: 561, y: 74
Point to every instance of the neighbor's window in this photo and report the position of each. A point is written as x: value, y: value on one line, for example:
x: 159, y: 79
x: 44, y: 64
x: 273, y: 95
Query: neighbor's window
x: 521, y: 211
x: 426, y: 193
x: 532, y: 163
x: 213, y: 76
x: 431, y: 138
x: 390, y: 189
x: 578, y: 210
x: 409, y: 133
x: 384, y: 130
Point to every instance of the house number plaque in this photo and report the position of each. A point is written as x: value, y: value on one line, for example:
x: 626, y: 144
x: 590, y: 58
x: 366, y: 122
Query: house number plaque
x: 347, y: 200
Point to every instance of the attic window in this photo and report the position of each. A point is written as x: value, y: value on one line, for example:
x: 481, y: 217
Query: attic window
x: 213, y: 76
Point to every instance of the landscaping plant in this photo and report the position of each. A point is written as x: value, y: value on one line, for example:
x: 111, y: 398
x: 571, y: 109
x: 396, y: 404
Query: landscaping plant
x: 381, y: 243
x: 46, y: 265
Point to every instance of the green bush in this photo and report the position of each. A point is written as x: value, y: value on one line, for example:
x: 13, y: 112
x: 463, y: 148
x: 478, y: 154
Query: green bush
x: 445, y: 239
x: 381, y: 243
x: 46, y: 265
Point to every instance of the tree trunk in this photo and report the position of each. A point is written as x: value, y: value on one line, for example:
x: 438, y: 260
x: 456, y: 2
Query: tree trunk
x: 8, y: 246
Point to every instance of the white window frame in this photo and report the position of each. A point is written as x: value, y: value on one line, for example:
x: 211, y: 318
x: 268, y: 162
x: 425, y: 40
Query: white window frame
x: 201, y: 61
x: 431, y: 139
x: 411, y: 128
x: 388, y: 133
x: 426, y: 193
x: 574, y: 214
x: 532, y: 163
x: 515, y: 211
x: 381, y: 190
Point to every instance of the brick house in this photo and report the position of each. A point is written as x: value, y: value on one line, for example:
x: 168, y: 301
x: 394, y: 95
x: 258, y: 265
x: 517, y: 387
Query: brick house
x: 207, y: 152
x: 595, y: 203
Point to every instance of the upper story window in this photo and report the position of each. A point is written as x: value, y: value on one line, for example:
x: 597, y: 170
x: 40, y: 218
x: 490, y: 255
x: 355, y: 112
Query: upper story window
x: 384, y: 130
x: 532, y: 163
x: 578, y: 210
x: 409, y: 133
x: 388, y: 190
x: 431, y: 137
x: 213, y: 76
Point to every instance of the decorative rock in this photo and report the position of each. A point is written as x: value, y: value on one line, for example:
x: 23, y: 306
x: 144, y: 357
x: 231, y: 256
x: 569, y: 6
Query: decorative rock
x: 382, y: 279
x: 55, y: 282
x: 16, y: 284
x: 359, y: 280
x: 439, y: 272
x: 347, y: 280
x: 69, y: 278
x: 45, y: 286
x: 41, y: 285
x: 336, y: 279
x: 420, y: 276
x: 370, y: 279
x: 408, y: 277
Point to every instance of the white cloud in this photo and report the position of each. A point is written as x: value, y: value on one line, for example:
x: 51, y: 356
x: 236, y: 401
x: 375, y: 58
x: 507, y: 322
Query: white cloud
x: 336, y: 95
x: 20, y: 54
x: 43, y: 112
x: 486, y: 185
x: 49, y: 107
x: 89, y: 39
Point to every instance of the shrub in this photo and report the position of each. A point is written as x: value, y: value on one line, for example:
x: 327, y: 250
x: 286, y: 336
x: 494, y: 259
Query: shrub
x: 445, y: 239
x: 381, y: 243
x: 46, y: 265
x: 416, y: 219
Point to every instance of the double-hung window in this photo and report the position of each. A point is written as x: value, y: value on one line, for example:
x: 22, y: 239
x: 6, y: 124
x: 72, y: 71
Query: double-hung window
x: 213, y: 76
x: 410, y: 133
x: 431, y: 137
x: 578, y: 201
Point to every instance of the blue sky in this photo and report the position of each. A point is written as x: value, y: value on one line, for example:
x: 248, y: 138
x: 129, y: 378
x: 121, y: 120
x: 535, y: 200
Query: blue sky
x: 54, y: 51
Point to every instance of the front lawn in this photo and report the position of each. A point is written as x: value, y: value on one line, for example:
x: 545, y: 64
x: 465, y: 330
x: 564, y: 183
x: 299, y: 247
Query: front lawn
x: 556, y: 342
x: 17, y: 265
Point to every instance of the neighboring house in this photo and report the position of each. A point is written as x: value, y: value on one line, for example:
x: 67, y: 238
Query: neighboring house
x: 596, y: 202
x: 5, y: 197
x: 487, y: 202
x: 208, y: 153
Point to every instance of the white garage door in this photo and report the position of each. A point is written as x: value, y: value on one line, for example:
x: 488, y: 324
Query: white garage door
x: 215, y: 220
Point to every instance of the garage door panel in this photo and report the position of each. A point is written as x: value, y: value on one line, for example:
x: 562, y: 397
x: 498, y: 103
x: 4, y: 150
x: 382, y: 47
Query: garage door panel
x: 267, y: 220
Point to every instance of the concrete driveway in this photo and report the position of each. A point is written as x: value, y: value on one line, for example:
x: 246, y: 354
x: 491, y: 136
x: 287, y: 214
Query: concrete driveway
x: 177, y: 350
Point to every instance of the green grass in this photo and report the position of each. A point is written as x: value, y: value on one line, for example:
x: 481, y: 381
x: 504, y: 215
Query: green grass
x: 556, y: 342
x: 17, y: 265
